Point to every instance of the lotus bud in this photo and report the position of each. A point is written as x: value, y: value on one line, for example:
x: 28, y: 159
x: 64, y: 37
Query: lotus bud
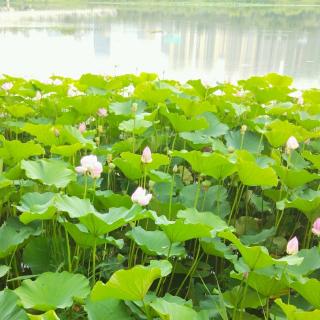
x: 134, y: 107
x: 292, y: 144
x: 206, y: 185
x: 293, y: 246
x: 111, y: 166
x: 146, y: 155
x: 231, y: 149
x: 316, y: 227
x: 102, y: 112
x: 109, y: 157
x: 243, y: 129
x: 55, y: 131
x: 82, y: 127
x: 175, y: 169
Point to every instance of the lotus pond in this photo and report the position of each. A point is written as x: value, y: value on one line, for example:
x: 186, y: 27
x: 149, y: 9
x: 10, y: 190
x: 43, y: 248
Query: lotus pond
x: 131, y: 197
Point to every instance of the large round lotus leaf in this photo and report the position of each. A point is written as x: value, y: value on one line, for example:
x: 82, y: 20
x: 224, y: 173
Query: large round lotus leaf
x: 293, y: 313
x: 9, y: 309
x: 13, y: 233
x: 308, y: 289
x: 132, y: 284
x: 50, y: 315
x: 14, y: 151
x: 74, y: 206
x: 51, y: 172
x: 173, y: 311
x: 155, y: 242
x: 215, y: 165
x: 108, y: 309
x: 53, y: 290
x: 37, y: 206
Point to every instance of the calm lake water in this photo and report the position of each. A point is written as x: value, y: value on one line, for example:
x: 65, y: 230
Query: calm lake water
x: 211, y: 43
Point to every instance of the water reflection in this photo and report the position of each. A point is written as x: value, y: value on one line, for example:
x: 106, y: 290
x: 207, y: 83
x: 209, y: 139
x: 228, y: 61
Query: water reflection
x: 213, y: 44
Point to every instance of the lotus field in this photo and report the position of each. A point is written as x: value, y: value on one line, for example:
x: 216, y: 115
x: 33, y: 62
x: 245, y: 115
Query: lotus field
x: 130, y: 197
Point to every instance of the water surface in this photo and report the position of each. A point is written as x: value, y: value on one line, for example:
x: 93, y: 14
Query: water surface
x: 213, y: 43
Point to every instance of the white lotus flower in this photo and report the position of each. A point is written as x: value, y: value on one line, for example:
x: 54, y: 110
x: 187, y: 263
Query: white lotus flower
x: 141, y: 196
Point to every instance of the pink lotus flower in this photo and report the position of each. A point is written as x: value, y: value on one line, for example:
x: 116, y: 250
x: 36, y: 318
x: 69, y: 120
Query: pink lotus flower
x: 7, y: 86
x: 82, y: 127
x: 90, y: 165
x: 141, y: 196
x: 316, y: 227
x: 146, y: 155
x: 102, y: 112
x: 292, y: 144
x: 293, y: 246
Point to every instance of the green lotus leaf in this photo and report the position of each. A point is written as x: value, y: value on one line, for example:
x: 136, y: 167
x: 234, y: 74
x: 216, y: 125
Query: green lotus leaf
x: 53, y: 290
x: 310, y: 263
x: 267, y: 281
x: 81, y: 235
x: 108, y: 309
x: 294, y: 178
x: 37, y: 206
x: 257, y: 257
x: 9, y: 308
x: 74, y: 206
x: 49, y: 315
x: 307, y: 202
x: 155, y: 242
x: 3, y: 270
x: 108, y: 199
x: 314, y: 158
x: 164, y: 265
x: 308, y: 289
x: 66, y: 150
x: 42, y: 132
x: 132, y: 284
x: 51, y: 172
x: 181, y: 124
x: 130, y: 164
x: 293, y: 313
x: 193, y: 216
x: 99, y: 224
x: 173, y: 311
x: 13, y: 233
x: 179, y: 230
x: 137, y: 126
x: 20, y: 110
x: 39, y: 255
x: 14, y: 151
x: 280, y: 131
x: 248, y: 141
x: 252, y: 174
x: 214, y: 164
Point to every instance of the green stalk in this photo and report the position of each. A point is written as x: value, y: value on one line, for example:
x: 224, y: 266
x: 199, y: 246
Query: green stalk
x: 94, y: 252
x: 68, y: 250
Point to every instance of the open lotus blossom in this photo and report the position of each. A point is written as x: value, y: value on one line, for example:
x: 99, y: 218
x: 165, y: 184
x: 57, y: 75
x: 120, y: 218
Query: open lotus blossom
x: 141, y: 196
x: 297, y: 95
x: 73, y: 91
x: 292, y: 144
x: 102, y: 112
x: 146, y: 155
x: 293, y: 246
x: 316, y: 227
x: 90, y: 165
x: 7, y: 86
x: 82, y: 127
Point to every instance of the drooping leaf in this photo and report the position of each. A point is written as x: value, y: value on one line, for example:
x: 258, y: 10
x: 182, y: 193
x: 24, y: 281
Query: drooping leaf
x: 53, y: 290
